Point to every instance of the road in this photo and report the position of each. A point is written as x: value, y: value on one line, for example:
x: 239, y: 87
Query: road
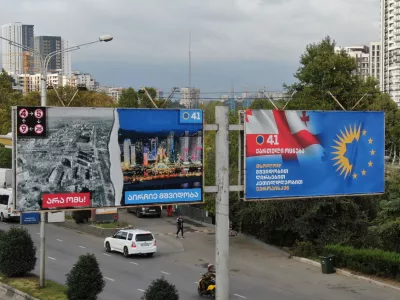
x: 256, y: 272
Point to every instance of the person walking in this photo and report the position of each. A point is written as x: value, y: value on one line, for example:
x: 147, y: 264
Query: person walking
x: 179, y: 224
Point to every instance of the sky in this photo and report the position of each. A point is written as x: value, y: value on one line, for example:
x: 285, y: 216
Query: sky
x: 244, y: 44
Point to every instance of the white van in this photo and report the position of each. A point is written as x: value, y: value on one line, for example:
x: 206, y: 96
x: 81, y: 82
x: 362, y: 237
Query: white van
x: 6, y: 206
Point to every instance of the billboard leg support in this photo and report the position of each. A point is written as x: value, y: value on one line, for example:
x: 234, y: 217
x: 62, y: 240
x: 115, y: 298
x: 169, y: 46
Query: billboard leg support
x: 42, y: 250
x: 222, y: 203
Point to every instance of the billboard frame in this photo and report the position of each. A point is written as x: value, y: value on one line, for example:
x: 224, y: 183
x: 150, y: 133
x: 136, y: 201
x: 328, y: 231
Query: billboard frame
x: 14, y: 110
x: 293, y: 198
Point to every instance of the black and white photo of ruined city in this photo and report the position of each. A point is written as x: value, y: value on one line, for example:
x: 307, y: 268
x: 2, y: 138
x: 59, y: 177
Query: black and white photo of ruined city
x: 74, y: 157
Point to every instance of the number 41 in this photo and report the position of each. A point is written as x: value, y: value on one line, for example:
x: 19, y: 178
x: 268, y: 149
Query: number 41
x: 273, y: 139
x: 196, y: 116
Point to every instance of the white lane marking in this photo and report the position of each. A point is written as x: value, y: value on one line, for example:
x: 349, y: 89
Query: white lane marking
x: 134, y: 263
x: 52, y: 258
x: 38, y: 233
x: 59, y: 240
x: 140, y: 290
x: 82, y: 247
x: 195, y: 282
x: 240, y: 296
x: 165, y: 273
x: 108, y: 278
x: 106, y: 254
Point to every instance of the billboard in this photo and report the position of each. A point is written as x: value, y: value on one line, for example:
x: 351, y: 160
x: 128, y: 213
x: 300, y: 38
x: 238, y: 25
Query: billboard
x: 106, y: 157
x: 293, y: 154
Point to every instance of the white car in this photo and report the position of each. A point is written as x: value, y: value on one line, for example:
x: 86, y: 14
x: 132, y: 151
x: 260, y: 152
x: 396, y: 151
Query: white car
x: 132, y: 241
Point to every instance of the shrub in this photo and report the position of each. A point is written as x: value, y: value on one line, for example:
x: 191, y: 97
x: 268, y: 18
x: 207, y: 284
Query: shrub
x: 304, y: 249
x: 80, y: 216
x: 85, y: 280
x: 17, y: 252
x: 368, y: 261
x: 160, y: 289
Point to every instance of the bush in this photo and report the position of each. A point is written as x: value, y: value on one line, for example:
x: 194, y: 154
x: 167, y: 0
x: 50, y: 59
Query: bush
x: 85, y: 280
x: 368, y: 261
x: 160, y: 289
x: 304, y: 249
x: 80, y: 216
x: 17, y: 252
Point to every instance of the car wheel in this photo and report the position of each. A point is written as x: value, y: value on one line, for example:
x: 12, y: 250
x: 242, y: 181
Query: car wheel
x: 2, y: 217
x: 108, y: 247
x: 126, y: 253
x: 159, y: 215
x: 149, y: 254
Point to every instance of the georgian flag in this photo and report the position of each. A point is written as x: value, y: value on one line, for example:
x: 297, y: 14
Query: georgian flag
x: 278, y: 132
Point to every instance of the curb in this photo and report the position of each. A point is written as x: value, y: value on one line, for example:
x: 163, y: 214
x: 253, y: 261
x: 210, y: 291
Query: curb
x: 14, y: 294
x: 88, y: 229
x: 348, y: 274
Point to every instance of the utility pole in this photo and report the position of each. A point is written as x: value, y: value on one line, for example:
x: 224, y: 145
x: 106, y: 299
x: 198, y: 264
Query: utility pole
x: 222, y: 202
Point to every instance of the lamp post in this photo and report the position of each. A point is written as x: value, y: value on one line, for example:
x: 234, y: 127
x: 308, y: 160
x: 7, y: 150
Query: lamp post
x: 44, y: 63
x: 45, y: 60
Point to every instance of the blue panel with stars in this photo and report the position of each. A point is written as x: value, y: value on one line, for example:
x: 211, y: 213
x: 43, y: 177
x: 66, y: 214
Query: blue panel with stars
x: 337, y: 153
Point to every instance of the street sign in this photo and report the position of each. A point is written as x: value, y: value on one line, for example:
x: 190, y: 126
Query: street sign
x: 31, y: 121
x: 293, y: 154
x: 106, y: 157
x: 30, y: 218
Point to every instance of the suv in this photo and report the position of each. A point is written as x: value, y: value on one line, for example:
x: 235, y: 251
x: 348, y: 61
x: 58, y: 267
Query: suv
x: 132, y: 241
x: 146, y: 211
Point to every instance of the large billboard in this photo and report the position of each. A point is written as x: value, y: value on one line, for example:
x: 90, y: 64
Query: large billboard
x: 105, y: 157
x: 292, y: 154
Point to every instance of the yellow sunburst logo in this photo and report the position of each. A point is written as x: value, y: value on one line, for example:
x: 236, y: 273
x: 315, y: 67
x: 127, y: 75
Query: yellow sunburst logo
x: 347, y: 137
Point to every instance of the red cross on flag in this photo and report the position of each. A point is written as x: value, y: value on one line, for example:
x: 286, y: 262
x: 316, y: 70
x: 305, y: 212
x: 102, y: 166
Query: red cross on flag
x: 278, y: 132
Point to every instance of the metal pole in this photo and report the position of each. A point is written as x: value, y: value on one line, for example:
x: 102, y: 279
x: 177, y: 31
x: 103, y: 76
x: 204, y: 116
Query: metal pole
x: 42, y: 280
x: 222, y: 202
x: 42, y: 250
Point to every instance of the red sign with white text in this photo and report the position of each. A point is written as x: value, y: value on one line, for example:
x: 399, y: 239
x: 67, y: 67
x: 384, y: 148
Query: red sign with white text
x: 66, y: 200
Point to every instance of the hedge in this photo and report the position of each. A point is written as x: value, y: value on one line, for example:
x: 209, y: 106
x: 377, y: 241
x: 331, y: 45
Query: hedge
x: 367, y: 261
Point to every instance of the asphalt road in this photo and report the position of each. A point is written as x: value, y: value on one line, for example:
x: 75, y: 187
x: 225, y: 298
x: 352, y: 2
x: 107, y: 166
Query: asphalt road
x: 256, y: 272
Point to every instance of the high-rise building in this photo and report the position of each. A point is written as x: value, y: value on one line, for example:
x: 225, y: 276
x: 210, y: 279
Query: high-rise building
x: 375, y: 61
x: 66, y: 60
x: 127, y: 154
x: 46, y: 45
x: 13, y: 56
x: 190, y: 97
x: 390, y: 48
x: 361, y: 55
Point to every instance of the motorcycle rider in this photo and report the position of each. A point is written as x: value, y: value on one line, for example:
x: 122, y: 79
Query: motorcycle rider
x: 208, y: 277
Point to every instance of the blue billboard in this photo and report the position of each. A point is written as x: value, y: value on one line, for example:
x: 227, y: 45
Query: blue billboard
x: 293, y: 154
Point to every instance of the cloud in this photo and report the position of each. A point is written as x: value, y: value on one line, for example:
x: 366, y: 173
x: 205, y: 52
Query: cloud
x: 157, y: 31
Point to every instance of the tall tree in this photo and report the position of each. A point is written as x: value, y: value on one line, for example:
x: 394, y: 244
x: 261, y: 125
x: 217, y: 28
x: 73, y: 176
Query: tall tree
x: 128, y: 98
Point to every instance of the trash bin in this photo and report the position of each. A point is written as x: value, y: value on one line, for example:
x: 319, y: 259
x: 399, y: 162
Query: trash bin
x: 327, y: 264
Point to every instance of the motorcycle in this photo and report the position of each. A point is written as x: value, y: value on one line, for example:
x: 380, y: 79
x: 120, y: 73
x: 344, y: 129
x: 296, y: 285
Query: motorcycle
x: 210, y: 291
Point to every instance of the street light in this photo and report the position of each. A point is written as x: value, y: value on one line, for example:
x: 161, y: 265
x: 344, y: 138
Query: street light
x: 44, y: 61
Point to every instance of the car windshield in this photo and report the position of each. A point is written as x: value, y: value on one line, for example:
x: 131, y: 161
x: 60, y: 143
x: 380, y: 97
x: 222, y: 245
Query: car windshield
x: 146, y: 237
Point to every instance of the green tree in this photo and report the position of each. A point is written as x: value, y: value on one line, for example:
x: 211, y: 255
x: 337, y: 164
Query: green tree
x: 128, y: 98
x: 5, y: 158
x: 85, y: 280
x: 161, y: 289
x: 17, y: 252
x: 145, y: 101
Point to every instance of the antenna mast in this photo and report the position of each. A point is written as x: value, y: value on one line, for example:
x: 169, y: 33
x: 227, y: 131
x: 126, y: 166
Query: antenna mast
x: 190, y: 60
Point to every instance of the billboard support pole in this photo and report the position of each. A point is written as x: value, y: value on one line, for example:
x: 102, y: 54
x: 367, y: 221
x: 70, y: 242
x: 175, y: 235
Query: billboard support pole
x: 222, y: 202
x: 42, y: 250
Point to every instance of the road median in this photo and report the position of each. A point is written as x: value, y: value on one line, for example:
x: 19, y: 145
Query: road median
x: 90, y: 228
x: 27, y: 288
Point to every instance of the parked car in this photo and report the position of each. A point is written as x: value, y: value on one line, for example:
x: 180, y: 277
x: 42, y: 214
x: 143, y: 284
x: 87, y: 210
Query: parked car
x: 146, y: 211
x: 132, y: 241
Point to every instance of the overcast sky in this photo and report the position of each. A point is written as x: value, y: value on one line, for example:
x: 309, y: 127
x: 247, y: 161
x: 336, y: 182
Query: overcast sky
x: 245, y: 43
